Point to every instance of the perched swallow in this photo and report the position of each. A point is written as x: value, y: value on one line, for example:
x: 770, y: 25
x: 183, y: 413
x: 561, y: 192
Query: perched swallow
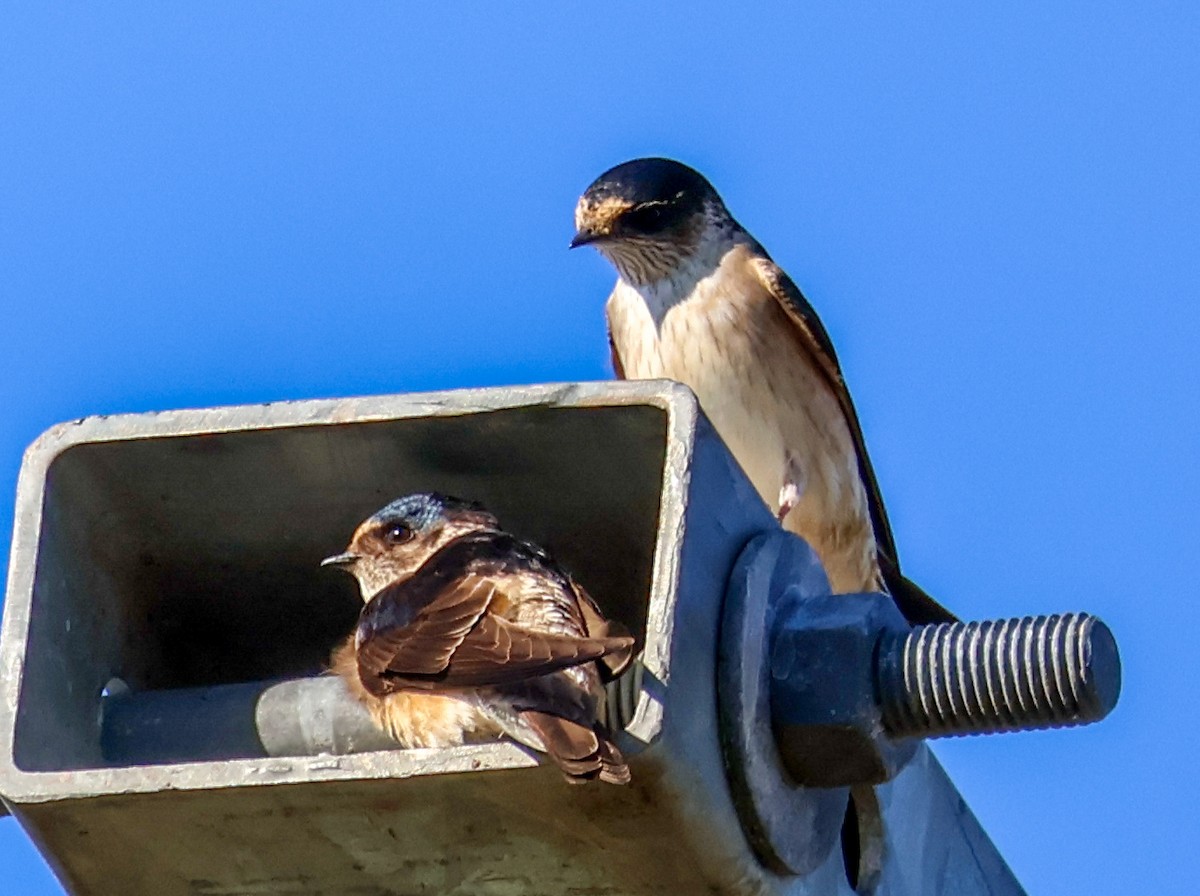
x: 467, y: 629
x: 698, y: 300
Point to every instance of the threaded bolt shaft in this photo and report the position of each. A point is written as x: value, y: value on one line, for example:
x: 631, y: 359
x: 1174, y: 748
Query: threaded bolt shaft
x: 988, y: 677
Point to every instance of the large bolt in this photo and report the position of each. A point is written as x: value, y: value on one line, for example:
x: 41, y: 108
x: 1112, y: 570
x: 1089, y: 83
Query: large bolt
x: 826, y: 690
x: 988, y: 677
x: 853, y: 687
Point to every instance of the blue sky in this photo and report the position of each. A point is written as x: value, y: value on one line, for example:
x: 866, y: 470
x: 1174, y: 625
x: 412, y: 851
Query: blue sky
x: 996, y: 212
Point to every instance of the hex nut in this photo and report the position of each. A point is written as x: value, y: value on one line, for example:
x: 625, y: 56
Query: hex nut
x: 825, y: 712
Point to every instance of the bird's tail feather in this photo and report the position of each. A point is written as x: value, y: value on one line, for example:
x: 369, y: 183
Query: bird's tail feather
x: 917, y: 606
x: 581, y: 753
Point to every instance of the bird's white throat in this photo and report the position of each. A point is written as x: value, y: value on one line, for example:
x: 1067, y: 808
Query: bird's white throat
x: 689, y: 274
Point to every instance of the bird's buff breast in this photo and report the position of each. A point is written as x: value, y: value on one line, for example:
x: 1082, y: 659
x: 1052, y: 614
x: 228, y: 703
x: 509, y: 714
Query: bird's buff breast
x: 732, y: 344
x: 412, y: 718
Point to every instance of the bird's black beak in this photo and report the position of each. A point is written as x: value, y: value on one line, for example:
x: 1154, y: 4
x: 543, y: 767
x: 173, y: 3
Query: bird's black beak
x: 345, y: 559
x: 584, y: 237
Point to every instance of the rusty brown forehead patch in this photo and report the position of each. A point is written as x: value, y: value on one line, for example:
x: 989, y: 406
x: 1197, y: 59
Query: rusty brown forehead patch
x: 599, y: 213
x: 363, y: 529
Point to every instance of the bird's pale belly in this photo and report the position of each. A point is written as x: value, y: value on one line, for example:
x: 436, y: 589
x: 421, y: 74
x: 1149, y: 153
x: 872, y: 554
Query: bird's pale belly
x: 775, y: 412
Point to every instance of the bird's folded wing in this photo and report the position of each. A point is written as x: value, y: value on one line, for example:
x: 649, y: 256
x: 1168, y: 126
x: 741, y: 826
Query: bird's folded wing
x: 497, y: 651
x: 424, y: 644
x: 615, y: 356
x: 597, y: 626
x: 916, y: 605
x: 453, y: 641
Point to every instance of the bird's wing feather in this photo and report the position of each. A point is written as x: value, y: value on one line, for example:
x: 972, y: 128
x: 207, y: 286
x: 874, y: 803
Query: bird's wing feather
x: 916, y: 605
x: 614, y: 355
x: 423, y: 644
x: 598, y: 626
x: 436, y: 629
x: 497, y: 651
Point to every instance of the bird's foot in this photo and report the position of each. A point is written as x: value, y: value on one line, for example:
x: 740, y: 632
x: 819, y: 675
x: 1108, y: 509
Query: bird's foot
x: 792, y: 489
x: 789, y: 497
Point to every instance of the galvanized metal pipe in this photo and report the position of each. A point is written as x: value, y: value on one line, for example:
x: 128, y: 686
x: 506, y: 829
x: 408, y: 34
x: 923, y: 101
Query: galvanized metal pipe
x: 932, y: 681
x: 294, y: 717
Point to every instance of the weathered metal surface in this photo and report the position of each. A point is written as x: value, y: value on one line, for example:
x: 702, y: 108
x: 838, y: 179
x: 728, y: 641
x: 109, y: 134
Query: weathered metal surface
x: 179, y: 550
x: 504, y: 832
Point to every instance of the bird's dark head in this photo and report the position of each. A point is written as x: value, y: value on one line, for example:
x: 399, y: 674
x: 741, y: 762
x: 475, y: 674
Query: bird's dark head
x: 394, y: 542
x: 655, y: 210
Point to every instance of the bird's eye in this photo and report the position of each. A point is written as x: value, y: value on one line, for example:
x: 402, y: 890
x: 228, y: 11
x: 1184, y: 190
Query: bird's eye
x: 645, y: 218
x: 397, y: 533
